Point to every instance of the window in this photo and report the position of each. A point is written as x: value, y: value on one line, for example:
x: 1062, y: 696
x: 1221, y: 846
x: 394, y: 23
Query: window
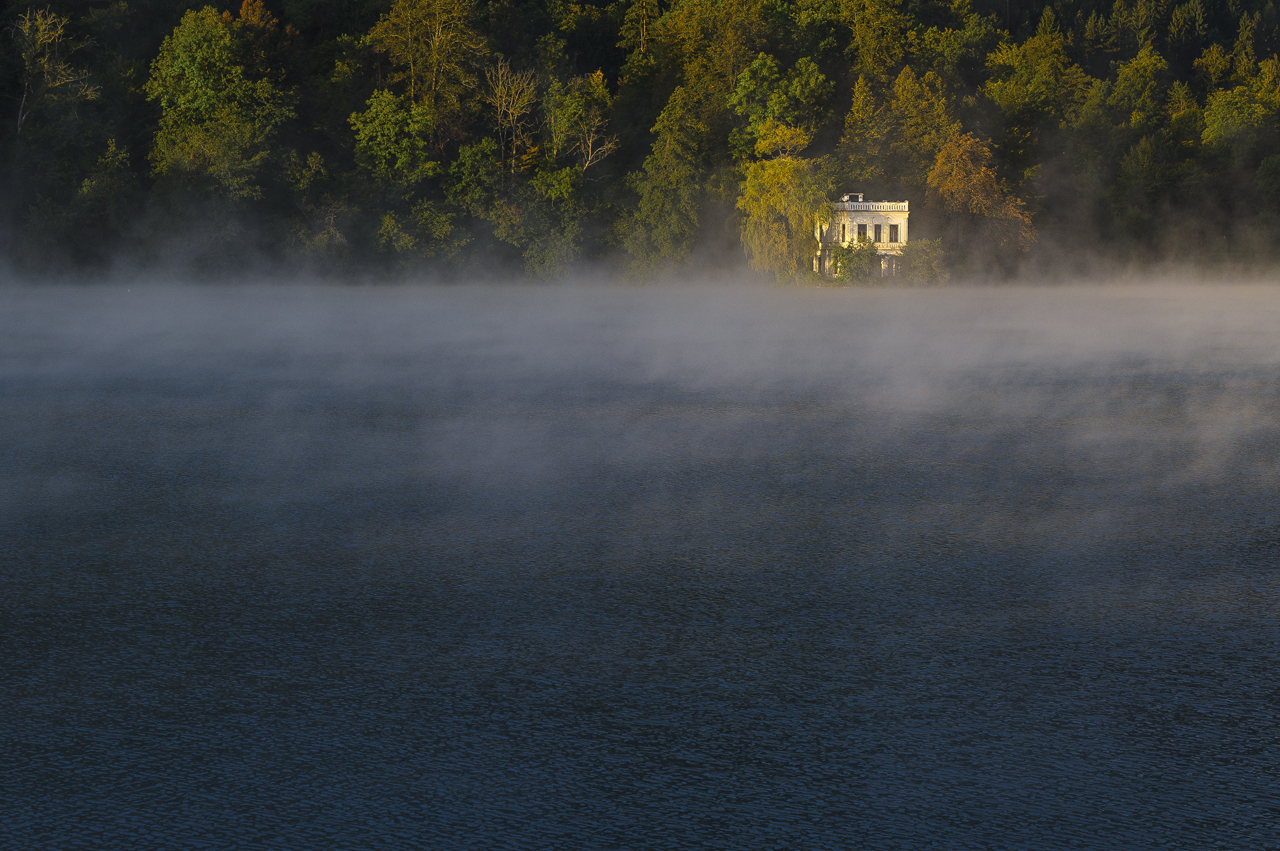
x: 842, y: 236
x: 877, y: 233
x: 893, y: 233
x: 862, y: 232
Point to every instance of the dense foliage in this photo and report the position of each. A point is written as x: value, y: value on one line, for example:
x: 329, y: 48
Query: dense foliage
x: 452, y: 136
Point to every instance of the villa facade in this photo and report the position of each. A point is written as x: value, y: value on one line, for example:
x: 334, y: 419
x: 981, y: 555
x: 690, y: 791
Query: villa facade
x: 882, y: 222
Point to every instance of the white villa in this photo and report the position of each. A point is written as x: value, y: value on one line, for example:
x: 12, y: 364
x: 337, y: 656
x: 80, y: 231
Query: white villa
x: 882, y: 222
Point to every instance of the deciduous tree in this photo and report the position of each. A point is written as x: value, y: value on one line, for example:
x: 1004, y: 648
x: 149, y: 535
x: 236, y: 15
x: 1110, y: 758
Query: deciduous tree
x: 963, y: 180
x: 43, y: 47
x: 392, y: 140
x: 435, y: 49
x: 512, y: 94
x: 782, y: 202
x: 218, y: 123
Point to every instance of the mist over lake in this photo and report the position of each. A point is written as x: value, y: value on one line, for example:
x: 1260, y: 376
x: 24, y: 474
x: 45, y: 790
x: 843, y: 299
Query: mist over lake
x: 639, y: 568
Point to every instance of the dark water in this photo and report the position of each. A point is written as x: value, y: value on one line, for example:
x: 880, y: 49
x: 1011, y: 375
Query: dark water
x: 639, y: 569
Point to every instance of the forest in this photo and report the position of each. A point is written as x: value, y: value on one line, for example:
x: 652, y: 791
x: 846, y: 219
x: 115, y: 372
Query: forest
x: 649, y: 138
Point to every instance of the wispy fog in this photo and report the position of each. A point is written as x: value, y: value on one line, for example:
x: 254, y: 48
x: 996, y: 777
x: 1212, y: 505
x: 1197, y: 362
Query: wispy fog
x: 1049, y: 419
x: 816, y: 566
x: 1094, y: 396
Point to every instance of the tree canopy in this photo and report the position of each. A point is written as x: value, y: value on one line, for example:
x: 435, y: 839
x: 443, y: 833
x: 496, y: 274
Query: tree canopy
x: 449, y: 136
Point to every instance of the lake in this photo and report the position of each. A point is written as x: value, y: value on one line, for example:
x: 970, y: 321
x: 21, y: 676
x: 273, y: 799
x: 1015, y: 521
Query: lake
x: 640, y: 568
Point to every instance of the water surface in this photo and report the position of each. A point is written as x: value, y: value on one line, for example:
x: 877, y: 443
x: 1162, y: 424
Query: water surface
x: 564, y: 568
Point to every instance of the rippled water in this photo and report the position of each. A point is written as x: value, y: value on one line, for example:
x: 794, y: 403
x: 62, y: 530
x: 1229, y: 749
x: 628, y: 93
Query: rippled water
x: 639, y: 569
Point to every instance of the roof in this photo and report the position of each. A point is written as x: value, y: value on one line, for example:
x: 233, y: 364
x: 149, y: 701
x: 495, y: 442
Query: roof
x: 872, y: 206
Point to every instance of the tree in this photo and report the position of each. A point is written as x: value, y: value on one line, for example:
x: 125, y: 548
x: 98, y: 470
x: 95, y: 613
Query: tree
x: 637, y: 26
x: 392, y: 140
x: 319, y: 228
x: 920, y: 124
x: 857, y: 263
x: 87, y: 228
x: 1037, y: 87
x: 1213, y: 67
x: 218, y: 123
x: 392, y: 145
x: 862, y: 143
x: 40, y: 38
x: 782, y: 201
x: 434, y: 45
x: 512, y: 94
x: 1139, y: 88
x: 1244, y: 121
x: 880, y: 36
x: 592, y: 140
x: 897, y: 141
x: 968, y: 188
x: 475, y: 178
x: 709, y: 43
x: 958, y: 56
x: 1187, y: 30
x: 923, y: 261
x: 768, y: 99
x: 562, y: 108
x: 426, y: 232
x: 662, y: 228
x: 393, y: 131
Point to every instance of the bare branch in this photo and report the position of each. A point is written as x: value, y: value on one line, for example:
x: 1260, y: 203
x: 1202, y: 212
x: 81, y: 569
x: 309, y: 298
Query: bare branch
x: 593, y: 144
x: 512, y: 95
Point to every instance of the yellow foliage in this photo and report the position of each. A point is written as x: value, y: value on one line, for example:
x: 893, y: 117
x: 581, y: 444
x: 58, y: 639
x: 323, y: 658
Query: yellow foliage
x: 432, y: 43
x: 963, y: 180
x: 782, y: 201
x: 778, y: 139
